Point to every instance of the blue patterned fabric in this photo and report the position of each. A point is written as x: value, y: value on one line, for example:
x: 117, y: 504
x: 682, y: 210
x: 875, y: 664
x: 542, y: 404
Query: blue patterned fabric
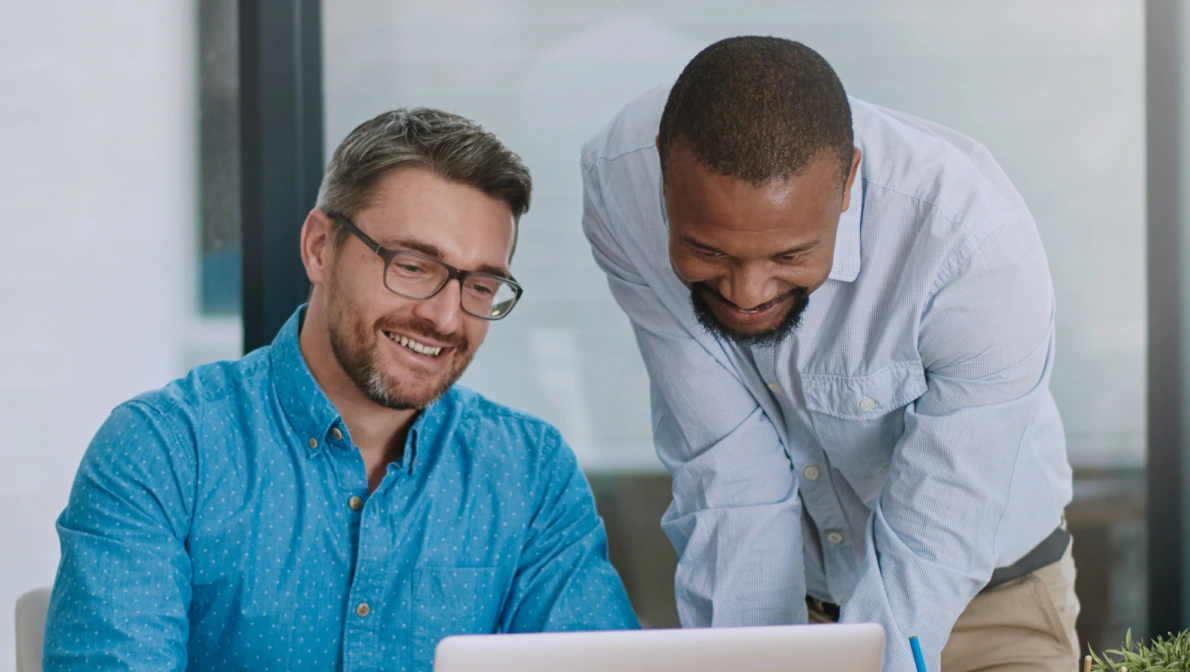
x: 211, y: 528
x: 896, y: 448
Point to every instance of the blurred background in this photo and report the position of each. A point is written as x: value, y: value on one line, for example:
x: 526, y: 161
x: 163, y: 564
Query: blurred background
x: 158, y: 158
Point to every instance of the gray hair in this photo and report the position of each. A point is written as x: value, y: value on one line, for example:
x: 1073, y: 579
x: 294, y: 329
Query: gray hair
x: 453, y: 147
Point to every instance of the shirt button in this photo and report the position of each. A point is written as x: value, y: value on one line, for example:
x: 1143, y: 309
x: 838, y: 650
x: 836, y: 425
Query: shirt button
x: 336, y: 434
x: 313, y: 442
x: 867, y: 404
x: 835, y: 537
x: 362, y: 610
x: 775, y: 388
x: 356, y: 504
x: 811, y: 473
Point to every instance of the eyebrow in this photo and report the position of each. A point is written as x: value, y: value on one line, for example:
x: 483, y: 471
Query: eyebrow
x: 793, y: 250
x: 435, y: 253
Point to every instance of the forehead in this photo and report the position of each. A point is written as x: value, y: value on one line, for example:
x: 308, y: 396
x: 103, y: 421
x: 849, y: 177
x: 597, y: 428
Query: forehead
x: 736, y: 216
x: 412, y: 203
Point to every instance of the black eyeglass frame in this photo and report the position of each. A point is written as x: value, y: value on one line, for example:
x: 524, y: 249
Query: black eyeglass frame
x: 452, y: 273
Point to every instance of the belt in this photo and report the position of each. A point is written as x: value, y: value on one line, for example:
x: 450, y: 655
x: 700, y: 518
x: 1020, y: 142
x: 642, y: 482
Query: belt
x: 1049, y: 551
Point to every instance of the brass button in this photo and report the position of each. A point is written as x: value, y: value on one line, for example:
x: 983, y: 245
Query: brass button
x: 313, y: 442
x: 338, y: 436
x: 362, y: 610
x: 355, y: 503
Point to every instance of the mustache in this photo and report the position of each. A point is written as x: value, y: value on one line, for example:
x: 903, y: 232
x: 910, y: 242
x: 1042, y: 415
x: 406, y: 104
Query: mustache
x: 457, y: 341
x: 796, y: 293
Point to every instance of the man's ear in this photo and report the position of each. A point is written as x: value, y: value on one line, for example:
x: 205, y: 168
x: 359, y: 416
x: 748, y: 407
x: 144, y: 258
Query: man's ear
x: 318, y: 247
x: 856, y: 155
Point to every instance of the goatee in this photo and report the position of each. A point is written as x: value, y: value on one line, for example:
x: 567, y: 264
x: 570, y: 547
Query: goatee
x: 701, y: 294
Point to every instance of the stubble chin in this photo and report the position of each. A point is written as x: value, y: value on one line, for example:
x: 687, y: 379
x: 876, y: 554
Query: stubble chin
x: 417, y: 393
x: 357, y: 348
x: 363, y: 365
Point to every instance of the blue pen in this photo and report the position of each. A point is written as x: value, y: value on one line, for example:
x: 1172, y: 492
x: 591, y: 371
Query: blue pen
x: 918, y: 659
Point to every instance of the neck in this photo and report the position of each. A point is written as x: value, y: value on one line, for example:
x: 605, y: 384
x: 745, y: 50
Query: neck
x: 378, y: 432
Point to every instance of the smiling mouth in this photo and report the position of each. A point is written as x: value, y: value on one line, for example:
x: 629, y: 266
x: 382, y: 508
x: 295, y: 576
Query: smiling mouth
x: 762, y: 309
x: 415, y: 346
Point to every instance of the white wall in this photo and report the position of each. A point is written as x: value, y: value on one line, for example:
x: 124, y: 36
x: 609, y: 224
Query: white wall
x: 1055, y: 89
x: 98, y: 133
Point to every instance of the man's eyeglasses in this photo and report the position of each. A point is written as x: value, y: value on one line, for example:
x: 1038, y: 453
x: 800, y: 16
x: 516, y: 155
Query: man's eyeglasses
x: 416, y: 276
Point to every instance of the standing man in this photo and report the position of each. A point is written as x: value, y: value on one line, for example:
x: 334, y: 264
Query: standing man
x: 847, y: 319
x: 333, y: 501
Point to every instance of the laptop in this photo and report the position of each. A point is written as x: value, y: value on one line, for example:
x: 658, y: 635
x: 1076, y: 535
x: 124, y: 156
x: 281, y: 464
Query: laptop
x: 776, y: 648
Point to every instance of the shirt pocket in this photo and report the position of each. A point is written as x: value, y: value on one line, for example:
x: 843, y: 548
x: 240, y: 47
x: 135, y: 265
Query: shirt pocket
x: 453, y: 601
x: 858, y: 420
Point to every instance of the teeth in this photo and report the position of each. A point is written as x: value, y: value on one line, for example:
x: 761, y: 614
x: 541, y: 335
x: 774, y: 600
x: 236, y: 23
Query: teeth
x: 415, y: 346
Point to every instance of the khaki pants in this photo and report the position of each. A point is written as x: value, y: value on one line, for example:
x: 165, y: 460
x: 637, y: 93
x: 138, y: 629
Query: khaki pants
x: 1025, y: 625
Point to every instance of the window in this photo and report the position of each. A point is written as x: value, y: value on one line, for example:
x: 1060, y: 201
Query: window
x: 1054, y: 90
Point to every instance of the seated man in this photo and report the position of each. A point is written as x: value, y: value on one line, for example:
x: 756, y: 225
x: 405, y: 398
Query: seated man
x: 332, y: 501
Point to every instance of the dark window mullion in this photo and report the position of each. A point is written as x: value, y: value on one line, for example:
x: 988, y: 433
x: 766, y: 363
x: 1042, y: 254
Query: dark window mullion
x: 281, y: 155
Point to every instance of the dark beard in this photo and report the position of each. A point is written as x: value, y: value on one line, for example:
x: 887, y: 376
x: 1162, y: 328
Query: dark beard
x: 699, y: 292
x: 358, y: 360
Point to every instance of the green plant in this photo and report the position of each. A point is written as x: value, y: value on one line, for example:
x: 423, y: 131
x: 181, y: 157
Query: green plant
x: 1164, y: 654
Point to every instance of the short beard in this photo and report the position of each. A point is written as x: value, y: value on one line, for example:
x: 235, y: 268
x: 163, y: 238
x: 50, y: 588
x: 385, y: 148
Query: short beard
x: 699, y: 291
x: 361, y: 369
x: 356, y: 353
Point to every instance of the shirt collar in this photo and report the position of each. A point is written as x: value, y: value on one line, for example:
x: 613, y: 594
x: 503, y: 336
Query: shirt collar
x: 845, y: 267
x: 310, y: 412
x: 315, y: 418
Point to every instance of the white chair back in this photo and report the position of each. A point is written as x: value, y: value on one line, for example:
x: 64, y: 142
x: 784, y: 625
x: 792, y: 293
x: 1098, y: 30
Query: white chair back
x: 31, y: 610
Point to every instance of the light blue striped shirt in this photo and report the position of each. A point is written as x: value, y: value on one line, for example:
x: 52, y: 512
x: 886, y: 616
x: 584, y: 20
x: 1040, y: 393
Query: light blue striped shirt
x: 909, y: 418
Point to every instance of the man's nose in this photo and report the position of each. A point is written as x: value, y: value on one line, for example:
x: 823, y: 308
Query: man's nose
x: 443, y: 309
x: 749, y: 286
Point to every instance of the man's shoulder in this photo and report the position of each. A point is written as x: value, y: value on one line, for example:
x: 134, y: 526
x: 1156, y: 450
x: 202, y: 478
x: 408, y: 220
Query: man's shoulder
x: 633, y: 129
x: 209, y: 389
x: 488, y: 426
x: 622, y: 213
x: 928, y: 163
x: 155, y: 439
x: 483, y: 414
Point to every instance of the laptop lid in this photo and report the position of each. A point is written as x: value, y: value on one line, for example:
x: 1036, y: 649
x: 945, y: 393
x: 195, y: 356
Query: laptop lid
x: 780, y: 648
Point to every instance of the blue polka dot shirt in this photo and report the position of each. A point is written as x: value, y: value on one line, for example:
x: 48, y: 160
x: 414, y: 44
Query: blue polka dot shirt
x: 224, y: 523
